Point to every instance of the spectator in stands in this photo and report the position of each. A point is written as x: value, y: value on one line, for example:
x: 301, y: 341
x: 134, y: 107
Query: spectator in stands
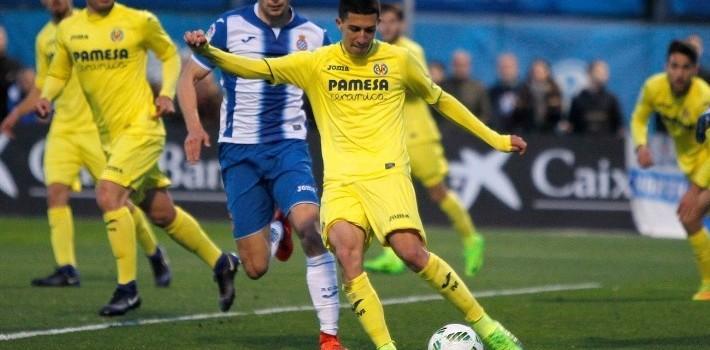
x: 437, y: 71
x: 8, y: 73
x: 696, y: 41
x: 504, y: 93
x: 539, y: 106
x: 595, y: 110
x: 469, y: 91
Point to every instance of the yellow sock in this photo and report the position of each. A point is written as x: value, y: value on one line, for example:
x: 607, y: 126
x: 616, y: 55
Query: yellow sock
x: 186, y: 231
x: 701, y: 247
x: 463, y: 225
x: 144, y: 232
x: 368, y: 309
x: 447, y: 282
x: 61, y: 231
x: 122, y: 236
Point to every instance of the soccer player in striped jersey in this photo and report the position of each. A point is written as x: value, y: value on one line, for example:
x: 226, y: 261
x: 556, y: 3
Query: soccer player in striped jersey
x: 105, y: 46
x: 73, y: 141
x: 357, y: 90
x: 427, y: 159
x: 262, y: 149
x: 679, y: 97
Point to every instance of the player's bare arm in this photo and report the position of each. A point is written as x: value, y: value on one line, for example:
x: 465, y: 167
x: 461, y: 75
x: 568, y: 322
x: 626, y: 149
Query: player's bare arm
x: 187, y: 98
x: 27, y: 105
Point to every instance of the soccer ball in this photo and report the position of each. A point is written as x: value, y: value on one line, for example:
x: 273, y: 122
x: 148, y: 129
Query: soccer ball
x: 455, y: 337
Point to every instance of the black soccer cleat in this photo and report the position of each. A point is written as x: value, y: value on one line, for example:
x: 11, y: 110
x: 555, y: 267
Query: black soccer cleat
x: 64, y: 276
x: 224, y: 272
x: 160, y: 267
x: 125, y: 298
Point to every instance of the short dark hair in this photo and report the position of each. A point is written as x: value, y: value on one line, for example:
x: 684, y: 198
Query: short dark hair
x: 360, y: 7
x: 682, y: 47
x: 394, y: 8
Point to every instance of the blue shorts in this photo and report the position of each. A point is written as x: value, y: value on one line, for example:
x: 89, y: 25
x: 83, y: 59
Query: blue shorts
x: 259, y: 177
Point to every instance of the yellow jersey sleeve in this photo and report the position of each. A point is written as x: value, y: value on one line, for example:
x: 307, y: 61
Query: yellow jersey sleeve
x: 158, y: 41
x: 295, y: 68
x: 419, y: 82
x: 640, y: 116
x: 41, y: 61
x: 245, y: 67
x: 59, y: 70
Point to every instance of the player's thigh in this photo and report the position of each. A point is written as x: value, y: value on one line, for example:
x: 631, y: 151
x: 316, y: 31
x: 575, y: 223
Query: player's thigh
x: 131, y: 157
x: 93, y: 155
x: 428, y: 163
x: 291, y: 178
x: 62, y: 161
x: 248, y: 200
x: 341, y: 203
x: 390, y: 205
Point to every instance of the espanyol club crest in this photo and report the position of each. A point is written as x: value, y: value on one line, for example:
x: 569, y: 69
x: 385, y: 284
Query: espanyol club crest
x: 116, y: 35
x: 380, y: 69
x: 301, y: 43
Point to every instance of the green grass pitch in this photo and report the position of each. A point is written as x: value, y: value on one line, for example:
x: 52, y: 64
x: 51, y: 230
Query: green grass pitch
x: 643, y: 301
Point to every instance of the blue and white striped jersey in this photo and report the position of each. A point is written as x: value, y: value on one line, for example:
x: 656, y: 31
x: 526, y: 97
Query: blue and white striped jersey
x: 254, y: 111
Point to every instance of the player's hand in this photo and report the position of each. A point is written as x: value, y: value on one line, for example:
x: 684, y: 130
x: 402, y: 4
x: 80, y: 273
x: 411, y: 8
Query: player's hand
x: 8, y: 124
x: 43, y: 108
x: 193, y: 144
x: 195, y: 39
x: 164, y: 105
x: 644, y: 157
x: 518, y: 144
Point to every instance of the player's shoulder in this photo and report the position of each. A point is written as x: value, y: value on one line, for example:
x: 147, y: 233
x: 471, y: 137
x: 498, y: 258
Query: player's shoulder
x: 701, y: 85
x: 303, y: 23
x: 76, y: 18
x: 136, y: 15
x: 656, y: 82
x: 235, y: 12
x: 410, y: 45
x: 48, y: 30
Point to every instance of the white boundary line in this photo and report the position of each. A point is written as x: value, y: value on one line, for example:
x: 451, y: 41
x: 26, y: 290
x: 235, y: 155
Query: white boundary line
x: 285, y: 309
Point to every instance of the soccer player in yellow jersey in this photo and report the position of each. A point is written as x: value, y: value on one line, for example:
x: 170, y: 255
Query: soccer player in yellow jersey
x: 73, y: 141
x: 427, y: 159
x: 106, y: 47
x: 357, y: 90
x: 679, y: 98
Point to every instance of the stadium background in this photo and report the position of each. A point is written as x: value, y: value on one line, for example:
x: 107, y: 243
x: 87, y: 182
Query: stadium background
x: 615, y: 291
x: 630, y: 35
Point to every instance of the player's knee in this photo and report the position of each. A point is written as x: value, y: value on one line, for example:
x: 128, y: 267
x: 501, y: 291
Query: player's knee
x: 57, y: 195
x: 107, y: 199
x: 415, y: 257
x: 255, y: 270
x: 162, y: 217
x: 438, y: 192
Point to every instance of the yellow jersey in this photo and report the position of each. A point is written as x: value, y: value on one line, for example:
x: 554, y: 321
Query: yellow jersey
x: 71, y: 111
x: 357, y: 103
x: 419, y: 124
x: 679, y: 115
x: 109, y: 54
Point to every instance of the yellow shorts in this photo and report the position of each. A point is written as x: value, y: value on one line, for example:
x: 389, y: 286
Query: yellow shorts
x: 378, y: 206
x: 701, y: 174
x: 133, y: 163
x: 66, y: 153
x: 428, y: 163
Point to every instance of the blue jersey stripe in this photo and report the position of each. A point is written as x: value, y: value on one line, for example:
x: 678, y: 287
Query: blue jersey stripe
x: 273, y: 97
x: 230, y: 92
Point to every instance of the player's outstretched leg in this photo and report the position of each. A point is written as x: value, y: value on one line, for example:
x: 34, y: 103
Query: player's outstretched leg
x: 112, y: 198
x: 61, y: 225
x: 700, y: 242
x: 473, y: 242
x: 692, y: 209
x: 346, y: 240
x: 321, y: 274
x: 156, y: 254
x: 184, y: 229
x: 440, y: 276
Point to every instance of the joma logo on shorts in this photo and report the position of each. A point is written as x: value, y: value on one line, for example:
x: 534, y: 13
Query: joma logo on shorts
x: 302, y: 188
x: 113, y: 168
x: 399, y: 216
